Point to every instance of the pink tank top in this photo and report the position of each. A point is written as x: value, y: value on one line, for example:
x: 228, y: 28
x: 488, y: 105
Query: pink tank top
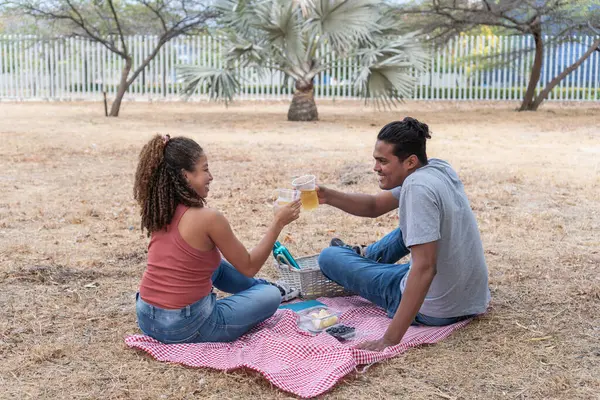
x: 177, y: 274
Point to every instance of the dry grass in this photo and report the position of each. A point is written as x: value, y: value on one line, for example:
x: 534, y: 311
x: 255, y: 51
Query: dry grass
x: 71, y: 253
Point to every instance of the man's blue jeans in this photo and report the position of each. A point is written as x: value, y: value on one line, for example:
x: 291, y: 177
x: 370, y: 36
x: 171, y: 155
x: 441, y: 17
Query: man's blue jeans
x: 211, y: 320
x: 375, y: 277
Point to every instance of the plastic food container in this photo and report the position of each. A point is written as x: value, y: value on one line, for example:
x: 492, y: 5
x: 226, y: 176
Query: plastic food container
x: 341, y: 332
x: 317, y: 319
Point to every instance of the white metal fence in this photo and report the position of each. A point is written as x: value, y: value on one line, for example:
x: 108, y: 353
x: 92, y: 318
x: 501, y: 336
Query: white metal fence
x: 468, y: 68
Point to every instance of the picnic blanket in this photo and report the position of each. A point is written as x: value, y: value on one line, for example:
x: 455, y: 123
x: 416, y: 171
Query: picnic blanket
x: 292, y: 359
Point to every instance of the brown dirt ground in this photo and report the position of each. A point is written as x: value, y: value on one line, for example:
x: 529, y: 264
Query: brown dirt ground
x: 71, y: 252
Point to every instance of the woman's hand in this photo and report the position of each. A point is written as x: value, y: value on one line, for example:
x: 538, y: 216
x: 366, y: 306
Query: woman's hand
x: 287, y: 213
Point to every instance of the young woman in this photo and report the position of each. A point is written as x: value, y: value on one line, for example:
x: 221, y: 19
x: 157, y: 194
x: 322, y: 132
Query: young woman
x: 176, y: 303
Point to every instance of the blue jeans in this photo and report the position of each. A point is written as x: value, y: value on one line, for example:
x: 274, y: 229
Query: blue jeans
x: 375, y: 277
x: 211, y: 320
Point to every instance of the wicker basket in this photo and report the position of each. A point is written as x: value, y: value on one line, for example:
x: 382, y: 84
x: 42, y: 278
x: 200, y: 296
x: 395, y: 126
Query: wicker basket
x: 309, y: 279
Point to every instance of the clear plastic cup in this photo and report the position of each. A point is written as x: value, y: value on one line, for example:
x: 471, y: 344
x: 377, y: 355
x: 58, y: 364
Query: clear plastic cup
x: 306, y: 184
x: 285, y: 196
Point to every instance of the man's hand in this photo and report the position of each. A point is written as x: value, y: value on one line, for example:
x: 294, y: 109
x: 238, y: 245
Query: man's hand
x: 376, y: 345
x: 322, y: 194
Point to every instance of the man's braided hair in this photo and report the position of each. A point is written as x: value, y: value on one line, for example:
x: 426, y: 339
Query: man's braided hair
x: 408, y: 137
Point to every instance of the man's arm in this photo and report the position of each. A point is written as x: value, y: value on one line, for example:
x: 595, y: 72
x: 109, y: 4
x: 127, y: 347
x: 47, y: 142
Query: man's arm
x: 361, y: 205
x: 422, y: 271
x: 421, y: 228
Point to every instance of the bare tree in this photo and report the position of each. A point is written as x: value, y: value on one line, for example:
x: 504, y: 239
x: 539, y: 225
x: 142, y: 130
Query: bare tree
x: 108, y: 22
x: 561, y: 19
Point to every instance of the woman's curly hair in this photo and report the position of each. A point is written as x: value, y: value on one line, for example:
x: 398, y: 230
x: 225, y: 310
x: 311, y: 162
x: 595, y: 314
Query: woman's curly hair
x: 160, y: 184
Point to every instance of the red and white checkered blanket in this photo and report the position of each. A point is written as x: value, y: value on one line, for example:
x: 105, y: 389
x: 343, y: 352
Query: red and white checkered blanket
x: 292, y: 359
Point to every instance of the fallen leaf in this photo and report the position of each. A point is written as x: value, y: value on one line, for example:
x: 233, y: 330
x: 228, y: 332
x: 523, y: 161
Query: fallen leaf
x: 538, y: 339
x: 288, y: 239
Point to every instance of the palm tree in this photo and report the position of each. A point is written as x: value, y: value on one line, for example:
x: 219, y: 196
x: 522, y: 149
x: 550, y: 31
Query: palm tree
x: 284, y: 35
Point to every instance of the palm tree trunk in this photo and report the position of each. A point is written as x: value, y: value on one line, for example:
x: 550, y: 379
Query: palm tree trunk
x: 303, y: 107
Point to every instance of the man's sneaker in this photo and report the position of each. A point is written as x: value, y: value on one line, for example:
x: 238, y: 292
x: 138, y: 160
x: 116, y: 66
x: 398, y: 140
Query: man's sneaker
x: 287, y: 292
x: 360, y: 250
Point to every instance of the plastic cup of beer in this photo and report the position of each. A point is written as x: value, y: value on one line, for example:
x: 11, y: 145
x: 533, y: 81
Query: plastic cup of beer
x: 285, y: 196
x: 308, y: 193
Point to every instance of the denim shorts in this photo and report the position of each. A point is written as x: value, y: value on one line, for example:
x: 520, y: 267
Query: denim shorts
x: 209, y: 319
x: 174, y: 326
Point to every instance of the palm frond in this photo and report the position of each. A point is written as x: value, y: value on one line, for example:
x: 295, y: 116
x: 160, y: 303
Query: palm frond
x: 222, y: 84
x: 281, y: 21
x: 344, y: 23
x: 260, y: 57
x: 247, y: 52
x: 237, y: 15
x: 388, y: 70
x: 390, y: 23
x: 304, y: 5
x: 393, y: 50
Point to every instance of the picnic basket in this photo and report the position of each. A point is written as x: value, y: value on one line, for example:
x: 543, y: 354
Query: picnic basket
x: 309, y: 279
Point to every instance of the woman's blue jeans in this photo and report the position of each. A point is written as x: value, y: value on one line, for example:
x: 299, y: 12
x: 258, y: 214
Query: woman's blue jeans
x: 211, y: 320
x: 375, y: 277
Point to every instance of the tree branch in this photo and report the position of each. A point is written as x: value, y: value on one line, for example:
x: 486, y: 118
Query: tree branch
x: 477, y: 17
x: 157, y: 13
x: 487, y: 5
x: 146, y: 61
x: 77, y: 20
x: 114, y: 13
x: 542, y: 96
x: 190, y: 22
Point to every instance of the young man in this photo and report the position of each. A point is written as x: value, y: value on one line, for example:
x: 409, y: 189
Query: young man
x: 447, y: 278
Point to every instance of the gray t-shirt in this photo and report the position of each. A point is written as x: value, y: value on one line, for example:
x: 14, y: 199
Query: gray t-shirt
x: 433, y: 206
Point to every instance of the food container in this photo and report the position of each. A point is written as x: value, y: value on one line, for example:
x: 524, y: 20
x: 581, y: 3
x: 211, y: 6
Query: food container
x: 317, y: 319
x: 341, y: 332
